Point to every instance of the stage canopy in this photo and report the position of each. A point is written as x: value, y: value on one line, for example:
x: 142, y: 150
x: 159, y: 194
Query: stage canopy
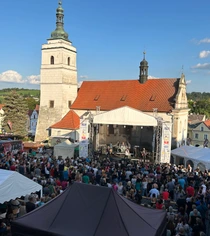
x: 197, y: 155
x: 14, y: 185
x: 125, y: 116
x: 90, y: 210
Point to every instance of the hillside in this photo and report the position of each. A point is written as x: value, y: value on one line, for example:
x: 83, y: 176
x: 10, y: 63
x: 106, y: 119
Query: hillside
x: 26, y: 93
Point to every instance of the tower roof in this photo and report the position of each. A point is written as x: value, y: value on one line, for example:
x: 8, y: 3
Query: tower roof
x: 144, y: 62
x: 59, y: 32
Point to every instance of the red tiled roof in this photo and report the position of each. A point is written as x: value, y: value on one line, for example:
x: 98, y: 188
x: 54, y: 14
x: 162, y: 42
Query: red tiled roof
x: 207, y: 123
x: 70, y: 121
x: 155, y: 93
x: 1, y: 106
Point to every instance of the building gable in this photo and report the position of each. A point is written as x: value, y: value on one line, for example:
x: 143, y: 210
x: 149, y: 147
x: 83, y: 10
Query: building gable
x: 70, y: 121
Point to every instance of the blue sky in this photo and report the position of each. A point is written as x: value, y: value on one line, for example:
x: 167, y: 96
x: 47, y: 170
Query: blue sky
x: 110, y: 37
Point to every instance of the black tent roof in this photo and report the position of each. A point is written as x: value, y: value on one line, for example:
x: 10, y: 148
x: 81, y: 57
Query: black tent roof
x: 87, y: 210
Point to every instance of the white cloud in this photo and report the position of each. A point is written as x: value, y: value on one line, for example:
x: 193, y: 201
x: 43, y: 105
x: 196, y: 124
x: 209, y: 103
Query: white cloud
x: 204, y: 66
x: 196, y: 41
x: 152, y: 77
x: 83, y: 76
x: 204, y: 54
x: 11, y: 76
x: 205, y: 40
x: 188, y: 81
x: 33, y: 79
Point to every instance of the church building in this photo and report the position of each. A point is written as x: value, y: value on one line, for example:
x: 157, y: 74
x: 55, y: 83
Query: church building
x: 63, y: 104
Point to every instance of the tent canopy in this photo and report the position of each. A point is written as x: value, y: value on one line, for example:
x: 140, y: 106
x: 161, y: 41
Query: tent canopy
x: 125, y: 116
x: 89, y: 210
x: 65, y: 149
x: 13, y: 185
x: 196, y: 154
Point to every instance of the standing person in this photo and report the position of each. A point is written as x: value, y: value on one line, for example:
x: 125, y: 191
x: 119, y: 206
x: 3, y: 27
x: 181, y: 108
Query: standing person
x: 144, y: 187
x: 154, y: 191
x: 171, y: 187
x: 202, y: 208
x: 165, y: 195
x: 190, y: 190
x: 207, y: 221
x: 30, y: 206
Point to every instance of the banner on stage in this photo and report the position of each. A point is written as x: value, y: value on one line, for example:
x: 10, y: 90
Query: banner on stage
x: 166, y: 142
x: 83, y: 138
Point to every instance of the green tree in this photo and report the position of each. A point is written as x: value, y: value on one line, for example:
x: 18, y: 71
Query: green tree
x: 31, y: 103
x: 15, y: 111
x: 201, y: 107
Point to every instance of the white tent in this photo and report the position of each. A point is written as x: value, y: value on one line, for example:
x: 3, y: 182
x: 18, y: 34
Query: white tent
x: 14, y: 185
x: 65, y: 149
x: 125, y: 116
x: 199, y: 156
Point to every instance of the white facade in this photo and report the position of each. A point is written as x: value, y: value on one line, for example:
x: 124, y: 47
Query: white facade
x: 33, y: 121
x: 58, y: 83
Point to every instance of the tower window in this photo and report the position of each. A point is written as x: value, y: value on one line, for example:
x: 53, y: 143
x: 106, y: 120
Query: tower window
x: 51, y: 104
x: 68, y: 61
x: 69, y: 104
x: 52, y: 60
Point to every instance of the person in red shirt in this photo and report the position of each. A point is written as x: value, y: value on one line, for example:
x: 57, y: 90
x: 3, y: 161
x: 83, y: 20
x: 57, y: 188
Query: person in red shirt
x: 159, y: 204
x: 165, y: 194
x: 13, y: 167
x: 190, y: 191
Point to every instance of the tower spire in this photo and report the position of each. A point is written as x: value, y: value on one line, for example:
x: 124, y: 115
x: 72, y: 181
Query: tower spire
x: 59, y: 32
x: 143, y: 75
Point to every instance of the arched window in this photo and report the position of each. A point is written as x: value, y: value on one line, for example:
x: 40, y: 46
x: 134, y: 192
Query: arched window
x: 52, y: 60
x: 68, y: 61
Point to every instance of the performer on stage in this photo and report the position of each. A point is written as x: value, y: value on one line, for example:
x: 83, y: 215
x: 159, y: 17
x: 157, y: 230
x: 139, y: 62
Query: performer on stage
x: 144, y: 154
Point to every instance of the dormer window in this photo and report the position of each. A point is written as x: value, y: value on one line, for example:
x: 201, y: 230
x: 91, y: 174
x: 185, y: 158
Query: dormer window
x: 201, y: 128
x: 96, y: 97
x: 123, y: 98
x: 152, y: 98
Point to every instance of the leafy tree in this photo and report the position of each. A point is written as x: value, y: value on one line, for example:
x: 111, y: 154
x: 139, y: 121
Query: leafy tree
x: 31, y: 103
x: 201, y: 107
x: 15, y: 111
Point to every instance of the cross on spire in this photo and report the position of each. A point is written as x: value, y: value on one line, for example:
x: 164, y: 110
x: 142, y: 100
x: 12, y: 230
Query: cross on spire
x: 144, y: 54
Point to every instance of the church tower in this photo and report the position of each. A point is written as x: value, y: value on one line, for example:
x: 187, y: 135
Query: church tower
x: 58, y: 82
x: 143, y: 74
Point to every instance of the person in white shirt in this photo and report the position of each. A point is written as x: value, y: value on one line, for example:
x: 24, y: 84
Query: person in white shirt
x: 203, y: 189
x: 120, y: 188
x: 128, y: 173
x: 154, y: 191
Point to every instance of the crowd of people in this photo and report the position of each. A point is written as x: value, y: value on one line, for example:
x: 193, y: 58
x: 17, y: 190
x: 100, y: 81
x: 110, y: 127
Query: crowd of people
x: 182, y: 192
